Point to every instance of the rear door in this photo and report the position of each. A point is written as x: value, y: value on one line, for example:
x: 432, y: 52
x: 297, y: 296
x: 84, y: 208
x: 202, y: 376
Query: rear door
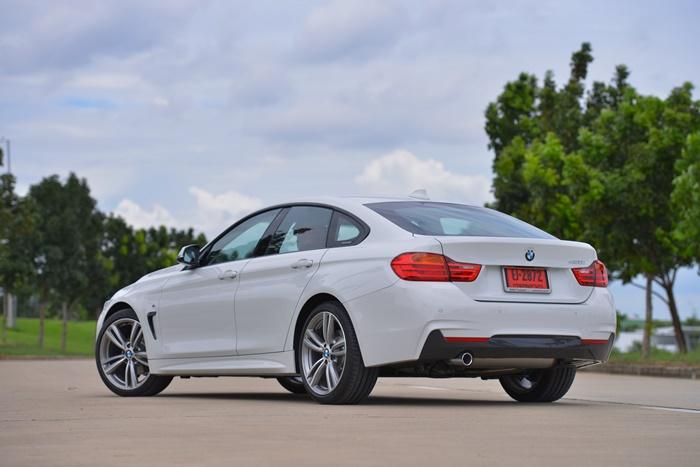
x: 271, y: 285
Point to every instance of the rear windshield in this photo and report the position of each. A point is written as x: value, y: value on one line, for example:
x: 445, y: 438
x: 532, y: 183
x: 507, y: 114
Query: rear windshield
x: 431, y: 218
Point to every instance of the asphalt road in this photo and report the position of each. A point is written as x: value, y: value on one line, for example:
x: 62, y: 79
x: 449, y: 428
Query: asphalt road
x: 58, y: 413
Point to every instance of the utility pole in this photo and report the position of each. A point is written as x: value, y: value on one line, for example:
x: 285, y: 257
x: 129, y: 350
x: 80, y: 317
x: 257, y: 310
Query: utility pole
x: 8, y: 308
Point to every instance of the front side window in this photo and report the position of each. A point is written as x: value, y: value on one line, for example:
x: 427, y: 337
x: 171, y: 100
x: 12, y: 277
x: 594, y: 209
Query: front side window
x: 303, y: 228
x: 431, y: 218
x: 241, y: 241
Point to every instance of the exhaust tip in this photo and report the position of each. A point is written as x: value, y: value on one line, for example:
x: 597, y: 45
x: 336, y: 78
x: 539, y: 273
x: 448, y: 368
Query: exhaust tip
x: 467, y: 358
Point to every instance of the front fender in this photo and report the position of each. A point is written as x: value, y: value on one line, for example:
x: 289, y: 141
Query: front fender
x: 143, y: 297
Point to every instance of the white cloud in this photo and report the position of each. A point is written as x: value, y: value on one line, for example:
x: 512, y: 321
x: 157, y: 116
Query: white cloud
x: 218, y: 211
x: 400, y: 172
x: 141, y: 218
x: 68, y: 34
x: 342, y: 29
x: 214, y: 212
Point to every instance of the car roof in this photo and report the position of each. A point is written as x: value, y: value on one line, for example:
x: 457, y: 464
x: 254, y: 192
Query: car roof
x: 361, y: 200
x: 355, y: 205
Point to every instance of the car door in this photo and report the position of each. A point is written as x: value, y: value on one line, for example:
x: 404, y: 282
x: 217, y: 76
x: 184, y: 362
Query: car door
x: 196, y: 313
x: 271, y: 285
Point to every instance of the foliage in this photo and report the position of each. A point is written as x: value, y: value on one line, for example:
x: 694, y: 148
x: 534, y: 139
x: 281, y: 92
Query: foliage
x: 55, y: 241
x: 686, y: 197
x: 68, y: 228
x: 600, y: 167
x: 128, y: 254
x: 17, y: 238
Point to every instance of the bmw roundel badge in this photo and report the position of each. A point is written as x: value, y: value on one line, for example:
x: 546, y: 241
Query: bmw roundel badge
x: 529, y: 255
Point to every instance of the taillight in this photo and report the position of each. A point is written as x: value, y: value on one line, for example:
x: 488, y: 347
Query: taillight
x: 595, y: 275
x: 433, y: 267
x: 463, y: 272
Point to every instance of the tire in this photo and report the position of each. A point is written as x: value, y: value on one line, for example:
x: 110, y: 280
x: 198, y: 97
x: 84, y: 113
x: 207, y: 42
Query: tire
x: 108, y: 355
x: 539, y: 386
x: 293, y: 384
x: 343, y: 362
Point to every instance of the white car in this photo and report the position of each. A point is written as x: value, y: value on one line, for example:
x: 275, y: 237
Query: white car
x: 328, y: 294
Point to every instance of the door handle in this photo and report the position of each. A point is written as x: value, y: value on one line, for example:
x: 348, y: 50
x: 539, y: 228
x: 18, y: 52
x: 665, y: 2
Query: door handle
x: 303, y: 263
x: 228, y: 274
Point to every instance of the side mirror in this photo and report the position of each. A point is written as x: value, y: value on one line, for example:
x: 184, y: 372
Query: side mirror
x: 189, y: 255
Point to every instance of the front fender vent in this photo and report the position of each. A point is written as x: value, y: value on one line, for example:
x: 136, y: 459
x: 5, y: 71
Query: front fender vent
x: 149, y: 317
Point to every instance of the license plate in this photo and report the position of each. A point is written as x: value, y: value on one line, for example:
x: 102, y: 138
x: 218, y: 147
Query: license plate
x: 526, y: 280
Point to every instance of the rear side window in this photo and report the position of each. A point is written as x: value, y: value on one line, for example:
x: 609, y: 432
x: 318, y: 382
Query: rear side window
x: 345, y: 231
x: 303, y: 228
x: 448, y: 219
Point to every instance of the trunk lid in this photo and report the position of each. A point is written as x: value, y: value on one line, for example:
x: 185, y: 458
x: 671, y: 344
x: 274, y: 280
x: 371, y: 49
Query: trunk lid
x: 493, y: 253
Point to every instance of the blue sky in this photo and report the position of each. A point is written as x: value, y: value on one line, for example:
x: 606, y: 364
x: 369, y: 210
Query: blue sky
x: 196, y: 112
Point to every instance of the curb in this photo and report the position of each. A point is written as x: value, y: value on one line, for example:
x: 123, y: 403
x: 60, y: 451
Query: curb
x: 646, y: 370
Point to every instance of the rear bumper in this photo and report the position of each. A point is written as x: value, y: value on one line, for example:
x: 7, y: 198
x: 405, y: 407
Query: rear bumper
x: 564, y: 348
x: 394, y: 324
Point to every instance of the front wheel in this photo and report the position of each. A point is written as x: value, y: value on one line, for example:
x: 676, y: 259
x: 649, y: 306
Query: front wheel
x: 329, y: 358
x: 120, y: 354
x: 539, y: 386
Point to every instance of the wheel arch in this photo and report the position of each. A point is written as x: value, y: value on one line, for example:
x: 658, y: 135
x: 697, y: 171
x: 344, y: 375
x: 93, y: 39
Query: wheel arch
x: 306, y: 309
x: 118, y: 306
x: 113, y: 308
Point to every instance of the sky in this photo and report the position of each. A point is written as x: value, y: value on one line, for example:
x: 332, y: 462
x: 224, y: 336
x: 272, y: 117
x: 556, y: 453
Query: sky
x: 193, y: 113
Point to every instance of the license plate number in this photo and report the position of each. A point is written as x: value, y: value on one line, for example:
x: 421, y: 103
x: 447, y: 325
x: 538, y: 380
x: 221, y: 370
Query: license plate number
x: 526, y: 280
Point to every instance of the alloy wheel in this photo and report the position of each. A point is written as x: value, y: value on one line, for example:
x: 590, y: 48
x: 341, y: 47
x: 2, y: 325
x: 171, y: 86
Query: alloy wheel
x: 323, y: 353
x: 123, y: 354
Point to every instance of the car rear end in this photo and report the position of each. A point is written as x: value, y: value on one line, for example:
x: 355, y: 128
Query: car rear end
x: 495, y: 297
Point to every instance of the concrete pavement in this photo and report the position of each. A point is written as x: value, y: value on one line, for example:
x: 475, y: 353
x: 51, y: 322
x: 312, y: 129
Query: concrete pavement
x: 58, y: 413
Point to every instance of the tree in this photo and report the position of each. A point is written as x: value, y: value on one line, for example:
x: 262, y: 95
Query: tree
x: 128, y: 254
x: 69, y: 228
x: 599, y: 169
x: 686, y: 198
x: 525, y: 113
x: 636, y: 151
x: 17, y: 229
x: 55, y: 242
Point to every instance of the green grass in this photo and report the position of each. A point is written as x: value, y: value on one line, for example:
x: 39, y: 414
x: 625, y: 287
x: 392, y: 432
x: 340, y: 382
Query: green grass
x: 23, y: 340
x: 658, y: 357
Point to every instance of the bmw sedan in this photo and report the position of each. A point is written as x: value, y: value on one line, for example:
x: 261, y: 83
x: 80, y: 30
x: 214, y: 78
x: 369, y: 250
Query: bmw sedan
x: 326, y: 295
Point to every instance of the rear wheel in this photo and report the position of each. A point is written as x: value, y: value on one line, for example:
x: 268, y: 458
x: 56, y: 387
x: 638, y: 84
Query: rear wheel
x: 539, y: 386
x: 120, y: 354
x: 329, y: 358
x: 293, y: 384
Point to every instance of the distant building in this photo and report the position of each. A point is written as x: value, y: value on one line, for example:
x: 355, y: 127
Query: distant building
x: 665, y: 338
x: 662, y: 338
